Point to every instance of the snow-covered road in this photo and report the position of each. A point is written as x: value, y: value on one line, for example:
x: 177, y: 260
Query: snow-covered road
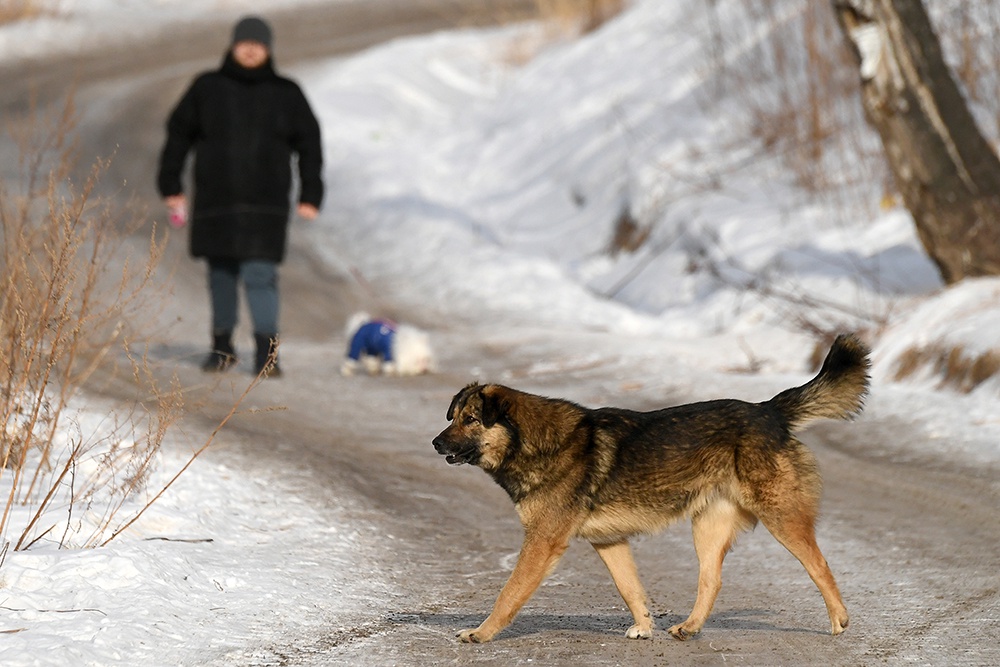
x: 338, y: 536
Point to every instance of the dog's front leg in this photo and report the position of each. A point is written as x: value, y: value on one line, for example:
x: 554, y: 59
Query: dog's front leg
x: 539, y: 556
x: 618, y: 558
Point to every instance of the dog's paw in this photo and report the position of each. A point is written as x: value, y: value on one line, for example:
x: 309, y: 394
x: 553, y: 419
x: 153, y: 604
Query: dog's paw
x: 839, y: 624
x: 639, y: 632
x: 682, y: 633
x: 470, y: 637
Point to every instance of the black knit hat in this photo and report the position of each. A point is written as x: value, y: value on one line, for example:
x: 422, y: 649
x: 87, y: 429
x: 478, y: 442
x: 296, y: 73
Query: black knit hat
x: 252, y: 28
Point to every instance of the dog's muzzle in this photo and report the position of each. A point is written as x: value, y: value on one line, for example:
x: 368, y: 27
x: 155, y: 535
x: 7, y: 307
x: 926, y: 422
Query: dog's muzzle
x: 454, y: 454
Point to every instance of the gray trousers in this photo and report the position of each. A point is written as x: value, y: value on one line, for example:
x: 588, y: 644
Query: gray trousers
x: 260, y: 283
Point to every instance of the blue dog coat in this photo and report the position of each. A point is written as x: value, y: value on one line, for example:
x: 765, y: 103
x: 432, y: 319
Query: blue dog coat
x: 373, y: 338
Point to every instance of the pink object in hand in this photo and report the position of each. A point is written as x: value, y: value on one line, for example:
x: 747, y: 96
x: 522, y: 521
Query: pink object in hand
x: 178, y: 217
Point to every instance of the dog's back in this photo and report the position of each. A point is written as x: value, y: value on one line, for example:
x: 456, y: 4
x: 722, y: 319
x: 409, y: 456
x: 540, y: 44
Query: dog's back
x: 673, y: 462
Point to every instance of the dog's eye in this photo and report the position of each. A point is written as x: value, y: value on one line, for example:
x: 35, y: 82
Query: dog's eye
x: 469, y: 419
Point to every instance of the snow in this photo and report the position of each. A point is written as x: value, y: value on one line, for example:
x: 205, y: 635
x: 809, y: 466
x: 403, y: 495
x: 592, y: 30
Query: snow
x: 180, y: 587
x: 487, y: 190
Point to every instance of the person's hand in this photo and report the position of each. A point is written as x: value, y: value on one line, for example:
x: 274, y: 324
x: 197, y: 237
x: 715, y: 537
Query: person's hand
x: 173, y: 201
x: 307, y: 211
x: 177, y: 210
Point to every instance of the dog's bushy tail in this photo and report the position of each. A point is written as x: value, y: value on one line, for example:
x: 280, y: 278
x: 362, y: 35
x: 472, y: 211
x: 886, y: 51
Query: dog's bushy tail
x: 837, y: 392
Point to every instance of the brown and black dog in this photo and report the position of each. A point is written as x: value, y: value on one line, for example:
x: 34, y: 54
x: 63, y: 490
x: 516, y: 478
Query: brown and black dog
x: 608, y: 474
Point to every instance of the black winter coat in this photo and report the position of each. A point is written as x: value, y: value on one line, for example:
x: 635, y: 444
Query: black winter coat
x: 244, y: 127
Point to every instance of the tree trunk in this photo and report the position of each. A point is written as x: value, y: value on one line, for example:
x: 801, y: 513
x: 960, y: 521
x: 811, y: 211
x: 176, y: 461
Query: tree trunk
x: 947, y: 173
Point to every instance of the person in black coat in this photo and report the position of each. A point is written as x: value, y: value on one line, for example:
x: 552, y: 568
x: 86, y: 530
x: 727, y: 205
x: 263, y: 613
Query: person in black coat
x: 244, y: 124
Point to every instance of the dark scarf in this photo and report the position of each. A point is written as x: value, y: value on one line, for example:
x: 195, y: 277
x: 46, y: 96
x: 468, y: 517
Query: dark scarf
x: 234, y: 70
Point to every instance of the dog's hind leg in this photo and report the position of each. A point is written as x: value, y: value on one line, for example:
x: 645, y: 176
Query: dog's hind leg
x: 715, y: 529
x: 618, y: 558
x: 797, y: 534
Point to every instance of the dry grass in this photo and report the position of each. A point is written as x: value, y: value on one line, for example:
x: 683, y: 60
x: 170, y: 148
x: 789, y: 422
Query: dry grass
x: 581, y: 16
x: 560, y: 20
x: 629, y: 235
x: 957, y: 368
x: 19, y: 10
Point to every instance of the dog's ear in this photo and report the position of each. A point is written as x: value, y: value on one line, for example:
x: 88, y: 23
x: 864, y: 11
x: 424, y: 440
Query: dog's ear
x: 495, y: 407
x: 459, y: 397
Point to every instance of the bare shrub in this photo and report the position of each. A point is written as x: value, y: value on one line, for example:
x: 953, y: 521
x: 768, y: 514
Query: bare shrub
x: 969, y: 34
x: 796, y: 86
x: 797, y: 96
x: 800, y: 88
x: 72, y: 283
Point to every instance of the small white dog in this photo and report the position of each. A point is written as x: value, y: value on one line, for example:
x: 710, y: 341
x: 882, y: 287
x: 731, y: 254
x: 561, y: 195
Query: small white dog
x: 381, y: 346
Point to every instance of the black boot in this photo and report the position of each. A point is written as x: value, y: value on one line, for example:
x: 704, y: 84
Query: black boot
x: 266, y: 360
x: 223, y: 356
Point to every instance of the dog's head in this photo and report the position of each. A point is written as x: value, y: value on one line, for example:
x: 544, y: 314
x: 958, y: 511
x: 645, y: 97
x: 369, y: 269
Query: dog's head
x: 480, y: 432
